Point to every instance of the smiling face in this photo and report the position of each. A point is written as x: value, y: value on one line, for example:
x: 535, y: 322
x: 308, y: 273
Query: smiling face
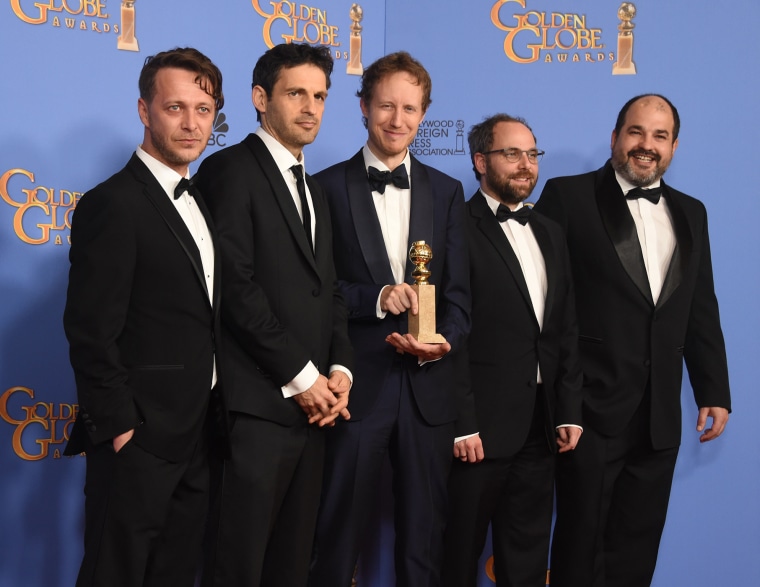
x: 178, y: 119
x: 511, y: 183
x: 393, y: 116
x: 644, y: 147
x: 293, y: 113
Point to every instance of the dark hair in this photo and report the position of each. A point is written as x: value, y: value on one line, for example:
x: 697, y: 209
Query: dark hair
x: 287, y: 55
x: 480, y: 137
x: 208, y: 76
x: 388, y: 65
x: 624, y: 111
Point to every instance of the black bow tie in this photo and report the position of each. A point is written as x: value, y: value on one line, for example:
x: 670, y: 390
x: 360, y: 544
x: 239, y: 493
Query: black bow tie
x: 379, y: 179
x: 185, y: 185
x: 653, y: 194
x: 522, y: 215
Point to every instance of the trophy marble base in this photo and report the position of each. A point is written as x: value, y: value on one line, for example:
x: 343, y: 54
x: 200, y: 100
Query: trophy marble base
x: 620, y: 69
x: 422, y: 326
x: 127, y: 45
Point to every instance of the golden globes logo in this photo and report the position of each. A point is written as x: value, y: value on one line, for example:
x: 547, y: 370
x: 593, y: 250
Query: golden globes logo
x: 39, y: 427
x: 548, y: 36
x: 290, y: 22
x: 42, y: 212
x: 82, y: 15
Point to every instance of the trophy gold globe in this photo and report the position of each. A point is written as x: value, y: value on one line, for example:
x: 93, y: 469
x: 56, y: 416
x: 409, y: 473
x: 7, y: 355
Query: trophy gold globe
x: 422, y: 325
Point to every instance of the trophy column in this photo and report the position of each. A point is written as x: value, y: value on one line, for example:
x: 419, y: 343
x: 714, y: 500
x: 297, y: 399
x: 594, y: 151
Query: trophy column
x: 624, y: 64
x: 127, y: 40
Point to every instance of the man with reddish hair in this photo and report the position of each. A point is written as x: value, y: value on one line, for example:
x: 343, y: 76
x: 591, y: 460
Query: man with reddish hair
x: 381, y: 201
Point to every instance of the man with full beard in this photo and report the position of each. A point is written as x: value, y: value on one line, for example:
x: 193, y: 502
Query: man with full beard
x: 646, y: 302
x: 523, y: 399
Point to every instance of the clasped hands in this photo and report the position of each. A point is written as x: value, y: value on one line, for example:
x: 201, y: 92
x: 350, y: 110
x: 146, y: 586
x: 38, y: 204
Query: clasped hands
x: 402, y: 298
x: 327, y: 399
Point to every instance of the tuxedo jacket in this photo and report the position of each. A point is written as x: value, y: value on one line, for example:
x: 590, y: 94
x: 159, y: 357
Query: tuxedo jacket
x: 627, y: 342
x: 506, y: 345
x: 138, y: 317
x: 281, y: 306
x: 361, y: 261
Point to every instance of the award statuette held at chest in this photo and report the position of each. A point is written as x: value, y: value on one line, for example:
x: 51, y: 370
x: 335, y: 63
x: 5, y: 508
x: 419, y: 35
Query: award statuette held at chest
x: 422, y: 325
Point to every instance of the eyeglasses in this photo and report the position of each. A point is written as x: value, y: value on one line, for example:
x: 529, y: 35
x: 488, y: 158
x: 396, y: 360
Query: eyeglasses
x: 514, y: 155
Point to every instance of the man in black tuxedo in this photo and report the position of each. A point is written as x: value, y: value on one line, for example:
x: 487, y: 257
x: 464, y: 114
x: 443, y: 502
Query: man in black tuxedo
x: 141, y: 317
x: 640, y: 257
x: 524, y: 383
x: 287, y: 355
x: 382, y: 200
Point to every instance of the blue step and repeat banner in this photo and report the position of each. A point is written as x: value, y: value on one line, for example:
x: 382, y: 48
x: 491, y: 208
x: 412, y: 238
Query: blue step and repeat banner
x: 69, y: 120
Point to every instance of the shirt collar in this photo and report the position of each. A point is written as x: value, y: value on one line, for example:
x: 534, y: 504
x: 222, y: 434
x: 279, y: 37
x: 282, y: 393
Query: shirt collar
x: 370, y: 160
x: 165, y: 175
x: 283, y: 158
x: 627, y: 186
x: 493, y: 203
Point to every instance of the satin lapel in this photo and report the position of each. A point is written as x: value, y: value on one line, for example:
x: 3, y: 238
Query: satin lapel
x: 282, y: 195
x: 215, y: 242
x: 157, y: 197
x: 366, y: 224
x: 618, y: 222
x: 489, y: 226
x: 322, y: 236
x: 421, y: 213
x: 550, y: 261
x: 682, y: 252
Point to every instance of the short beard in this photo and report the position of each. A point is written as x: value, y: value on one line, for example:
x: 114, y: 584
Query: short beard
x: 504, y: 192
x: 635, y: 178
x: 162, y: 146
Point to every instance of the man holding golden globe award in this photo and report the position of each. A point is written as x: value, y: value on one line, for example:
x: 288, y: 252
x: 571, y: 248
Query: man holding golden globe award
x: 382, y: 201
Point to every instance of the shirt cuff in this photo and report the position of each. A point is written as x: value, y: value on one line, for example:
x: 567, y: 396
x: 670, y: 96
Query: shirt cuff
x: 465, y: 437
x: 301, y: 382
x: 569, y: 426
x: 378, y: 312
x: 342, y: 369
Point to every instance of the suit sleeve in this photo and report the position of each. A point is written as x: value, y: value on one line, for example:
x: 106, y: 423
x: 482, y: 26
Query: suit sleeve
x: 228, y: 189
x: 569, y: 386
x: 102, y: 255
x: 704, y: 347
x: 341, y: 351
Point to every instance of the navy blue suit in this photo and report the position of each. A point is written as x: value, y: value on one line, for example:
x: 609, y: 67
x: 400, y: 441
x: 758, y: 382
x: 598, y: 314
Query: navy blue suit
x: 396, y: 405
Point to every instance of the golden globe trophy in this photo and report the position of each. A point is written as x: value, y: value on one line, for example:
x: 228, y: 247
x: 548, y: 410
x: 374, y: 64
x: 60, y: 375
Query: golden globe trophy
x: 354, y: 65
x: 624, y: 64
x: 126, y: 40
x: 422, y: 326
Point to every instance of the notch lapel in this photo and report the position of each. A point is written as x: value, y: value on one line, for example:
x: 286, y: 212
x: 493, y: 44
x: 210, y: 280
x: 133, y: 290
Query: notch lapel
x: 282, y: 196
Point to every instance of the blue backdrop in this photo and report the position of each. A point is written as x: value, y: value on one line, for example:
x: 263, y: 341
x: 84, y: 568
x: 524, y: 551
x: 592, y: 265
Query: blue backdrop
x: 68, y: 103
